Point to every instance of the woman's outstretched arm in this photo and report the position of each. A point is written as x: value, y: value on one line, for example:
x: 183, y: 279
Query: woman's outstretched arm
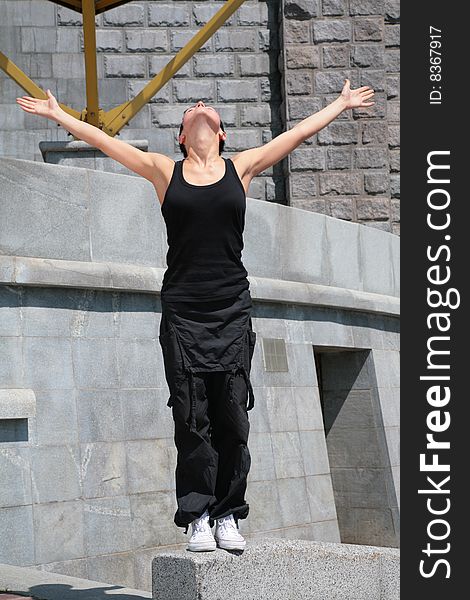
x: 256, y: 160
x: 145, y: 164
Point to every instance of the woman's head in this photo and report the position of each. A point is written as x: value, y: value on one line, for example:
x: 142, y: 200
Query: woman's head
x: 199, y: 121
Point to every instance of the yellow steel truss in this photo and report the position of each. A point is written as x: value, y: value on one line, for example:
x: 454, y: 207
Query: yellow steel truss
x: 113, y: 120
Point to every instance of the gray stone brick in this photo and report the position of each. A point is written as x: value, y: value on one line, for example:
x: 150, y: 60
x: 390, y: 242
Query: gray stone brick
x: 16, y: 478
x: 32, y: 14
x: 125, y: 66
x: 394, y: 157
x: 392, y: 60
x: 317, y: 205
x: 299, y: 82
x: 367, y: 56
x: 16, y: 523
x: 372, y: 208
x: 332, y: 81
x: 61, y: 463
x: 241, y: 139
x: 235, y: 41
x: 307, y: 159
x: 67, y: 66
x: 107, y: 525
x: 375, y: 79
x: 368, y: 30
x: 95, y: 363
x: 299, y: 108
x: 374, y: 132
x: 392, y: 86
x: 395, y: 228
x: 173, y: 14
x: 341, y: 132
x: 392, y: 10
x: 340, y: 183
x: 393, y: 110
x: 71, y: 18
x: 107, y: 40
x: 202, y: 13
x: 11, y: 118
x: 238, y: 90
x: 158, y: 63
x: 179, y: 39
x: 149, y: 523
x: 333, y: 8
x: 58, y: 531
x: 68, y: 39
x: 376, y: 183
x: 252, y: 64
x: 252, y: 13
x: 338, y: 158
x: 370, y: 158
x: 302, y: 57
x: 146, y: 40
x: 192, y: 90
x: 214, y: 65
x: 40, y: 66
x: 395, y: 185
x: 126, y: 15
x: 149, y: 468
x: 47, y: 363
x: 394, y: 136
x: 392, y: 35
x: 36, y: 39
x: 341, y: 208
x: 395, y: 209
x: 300, y: 9
x: 136, y: 86
x: 296, y: 32
x: 366, y: 7
x: 105, y: 474
x: 136, y: 362
x: 267, y: 41
x: 335, y: 56
x: 63, y: 428
x: 302, y: 186
x: 331, y: 30
x: 255, y: 116
x: 382, y: 225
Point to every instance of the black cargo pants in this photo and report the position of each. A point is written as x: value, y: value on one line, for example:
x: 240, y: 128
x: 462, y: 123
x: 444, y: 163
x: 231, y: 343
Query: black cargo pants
x: 210, y: 412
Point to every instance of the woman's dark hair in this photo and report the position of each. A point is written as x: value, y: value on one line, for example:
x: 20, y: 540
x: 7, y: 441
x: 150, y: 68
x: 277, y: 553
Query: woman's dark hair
x: 221, y: 142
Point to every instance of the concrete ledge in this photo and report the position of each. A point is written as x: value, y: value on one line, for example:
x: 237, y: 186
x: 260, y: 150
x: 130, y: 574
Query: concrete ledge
x: 17, y: 403
x: 54, y: 586
x: 24, y: 270
x: 272, y: 569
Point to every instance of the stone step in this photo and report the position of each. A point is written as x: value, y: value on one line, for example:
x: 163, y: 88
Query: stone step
x: 272, y: 569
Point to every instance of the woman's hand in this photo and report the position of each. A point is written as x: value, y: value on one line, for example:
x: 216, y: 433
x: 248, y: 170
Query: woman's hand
x: 356, y: 98
x: 44, y: 108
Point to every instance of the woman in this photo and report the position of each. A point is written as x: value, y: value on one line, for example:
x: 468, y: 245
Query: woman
x: 206, y: 330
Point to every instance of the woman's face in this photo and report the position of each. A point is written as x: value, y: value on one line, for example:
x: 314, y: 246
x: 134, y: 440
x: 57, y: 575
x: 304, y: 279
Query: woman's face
x: 199, y: 113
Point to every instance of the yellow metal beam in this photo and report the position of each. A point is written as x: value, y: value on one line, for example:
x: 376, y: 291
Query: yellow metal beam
x: 116, y: 118
x: 91, y: 75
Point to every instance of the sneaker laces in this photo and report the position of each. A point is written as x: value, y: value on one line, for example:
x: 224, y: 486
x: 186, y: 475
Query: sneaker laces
x: 227, y: 522
x: 200, y: 524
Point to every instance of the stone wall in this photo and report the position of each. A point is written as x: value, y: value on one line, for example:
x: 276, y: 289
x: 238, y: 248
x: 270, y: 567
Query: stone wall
x: 272, y: 64
x: 86, y: 451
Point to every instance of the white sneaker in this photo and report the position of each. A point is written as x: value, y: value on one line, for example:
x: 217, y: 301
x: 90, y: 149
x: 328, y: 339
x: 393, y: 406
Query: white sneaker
x: 227, y: 535
x: 201, y: 536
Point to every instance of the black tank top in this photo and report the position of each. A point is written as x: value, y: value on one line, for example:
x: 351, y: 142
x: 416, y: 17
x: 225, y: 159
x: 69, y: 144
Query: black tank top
x: 205, y: 225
